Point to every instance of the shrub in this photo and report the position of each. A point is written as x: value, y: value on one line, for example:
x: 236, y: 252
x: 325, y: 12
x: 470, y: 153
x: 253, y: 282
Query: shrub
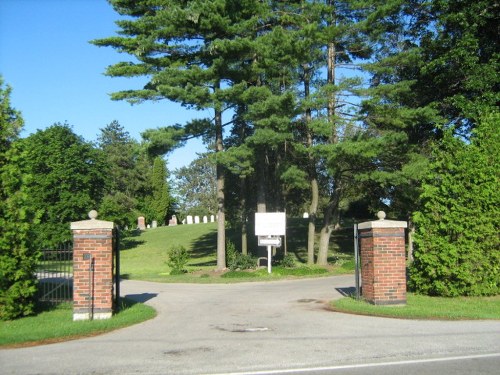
x: 18, y: 256
x: 237, y: 260
x: 457, y: 226
x: 177, y: 259
x: 288, y: 261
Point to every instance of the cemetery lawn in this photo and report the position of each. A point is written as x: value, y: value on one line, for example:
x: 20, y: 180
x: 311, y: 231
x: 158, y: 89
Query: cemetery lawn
x: 144, y: 254
x: 425, y: 307
x: 56, y: 324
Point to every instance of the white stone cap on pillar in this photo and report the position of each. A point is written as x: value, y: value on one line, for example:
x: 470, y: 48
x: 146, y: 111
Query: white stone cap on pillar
x: 92, y: 223
x: 382, y: 223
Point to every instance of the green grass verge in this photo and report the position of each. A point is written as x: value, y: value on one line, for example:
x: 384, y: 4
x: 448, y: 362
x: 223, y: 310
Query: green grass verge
x: 424, y: 307
x: 56, y: 324
x: 276, y: 272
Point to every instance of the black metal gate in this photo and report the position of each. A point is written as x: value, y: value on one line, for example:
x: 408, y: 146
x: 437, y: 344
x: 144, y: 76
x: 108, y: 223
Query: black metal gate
x: 55, y: 275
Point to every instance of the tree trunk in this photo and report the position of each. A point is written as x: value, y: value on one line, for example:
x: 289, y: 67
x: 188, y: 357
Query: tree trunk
x: 312, y: 220
x: 324, y: 238
x: 331, y: 99
x: 311, y: 171
x: 332, y: 208
x: 330, y: 222
x: 261, y: 184
x: 324, y: 242
x: 244, y: 229
x: 221, y: 220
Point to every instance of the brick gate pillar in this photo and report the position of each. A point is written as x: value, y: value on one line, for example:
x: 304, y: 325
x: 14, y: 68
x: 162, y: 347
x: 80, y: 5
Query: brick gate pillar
x: 383, y: 261
x: 92, y: 268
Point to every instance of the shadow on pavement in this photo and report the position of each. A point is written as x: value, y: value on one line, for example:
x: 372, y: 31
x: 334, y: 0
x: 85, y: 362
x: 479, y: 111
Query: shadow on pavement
x: 347, y: 291
x: 143, y: 297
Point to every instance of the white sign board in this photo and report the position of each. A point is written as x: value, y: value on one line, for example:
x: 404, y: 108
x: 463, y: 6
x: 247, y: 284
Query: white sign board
x: 270, y: 224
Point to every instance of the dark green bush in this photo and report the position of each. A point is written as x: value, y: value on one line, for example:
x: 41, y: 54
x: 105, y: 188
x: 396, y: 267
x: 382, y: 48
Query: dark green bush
x: 177, y: 259
x: 457, y: 244
x: 18, y: 255
x: 238, y: 261
x: 288, y: 261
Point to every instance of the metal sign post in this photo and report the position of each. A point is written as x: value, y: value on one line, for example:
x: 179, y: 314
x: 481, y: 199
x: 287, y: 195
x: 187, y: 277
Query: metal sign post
x: 269, y: 241
x: 356, y: 259
x: 269, y: 227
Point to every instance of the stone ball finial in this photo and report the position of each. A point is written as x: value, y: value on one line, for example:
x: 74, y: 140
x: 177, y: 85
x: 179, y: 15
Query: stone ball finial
x: 381, y: 215
x: 93, y: 214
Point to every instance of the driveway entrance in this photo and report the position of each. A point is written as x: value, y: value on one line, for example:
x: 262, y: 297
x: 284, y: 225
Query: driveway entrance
x: 251, y: 327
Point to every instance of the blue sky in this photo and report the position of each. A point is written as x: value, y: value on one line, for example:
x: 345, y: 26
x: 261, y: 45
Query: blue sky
x: 57, y: 75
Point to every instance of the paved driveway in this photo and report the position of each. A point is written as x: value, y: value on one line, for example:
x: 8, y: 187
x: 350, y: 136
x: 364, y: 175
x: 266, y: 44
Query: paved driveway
x: 252, y: 327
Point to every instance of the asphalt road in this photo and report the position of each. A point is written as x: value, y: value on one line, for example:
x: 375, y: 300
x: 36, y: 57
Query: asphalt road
x: 265, y: 328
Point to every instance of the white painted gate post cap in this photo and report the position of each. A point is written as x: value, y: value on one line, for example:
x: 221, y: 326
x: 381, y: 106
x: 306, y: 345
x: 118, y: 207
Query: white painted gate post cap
x: 382, y: 223
x: 93, y: 223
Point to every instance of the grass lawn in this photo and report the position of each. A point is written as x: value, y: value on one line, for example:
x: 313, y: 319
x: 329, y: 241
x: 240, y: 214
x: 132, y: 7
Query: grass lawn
x: 424, y: 307
x: 56, y: 324
x: 144, y: 255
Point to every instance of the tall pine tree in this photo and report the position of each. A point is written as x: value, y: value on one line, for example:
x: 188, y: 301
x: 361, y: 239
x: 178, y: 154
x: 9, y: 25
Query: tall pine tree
x: 181, y: 48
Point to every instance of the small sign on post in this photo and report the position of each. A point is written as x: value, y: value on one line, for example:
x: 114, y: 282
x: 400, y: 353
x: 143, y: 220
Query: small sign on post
x: 269, y: 241
x: 269, y: 226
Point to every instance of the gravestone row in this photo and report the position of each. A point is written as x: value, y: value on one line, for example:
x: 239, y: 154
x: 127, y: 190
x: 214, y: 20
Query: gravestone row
x: 141, y: 221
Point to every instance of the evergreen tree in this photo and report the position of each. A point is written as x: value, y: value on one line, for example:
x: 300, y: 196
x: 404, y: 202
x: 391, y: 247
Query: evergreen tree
x: 18, y: 254
x: 460, y: 52
x: 127, y: 176
x: 180, y: 47
x: 436, y: 69
x: 120, y: 153
x: 160, y: 202
x: 457, y: 225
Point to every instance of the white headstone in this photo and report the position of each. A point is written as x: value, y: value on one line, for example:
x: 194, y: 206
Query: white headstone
x: 306, y: 215
x: 189, y: 219
x: 197, y: 219
x: 154, y: 224
x: 212, y: 218
x: 205, y: 219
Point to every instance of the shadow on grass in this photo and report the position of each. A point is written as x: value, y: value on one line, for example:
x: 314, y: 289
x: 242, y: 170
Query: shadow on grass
x: 130, y: 240
x: 341, y: 243
x: 297, y: 238
x: 209, y: 263
x: 44, y: 306
x: 341, y: 240
x: 204, y: 246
